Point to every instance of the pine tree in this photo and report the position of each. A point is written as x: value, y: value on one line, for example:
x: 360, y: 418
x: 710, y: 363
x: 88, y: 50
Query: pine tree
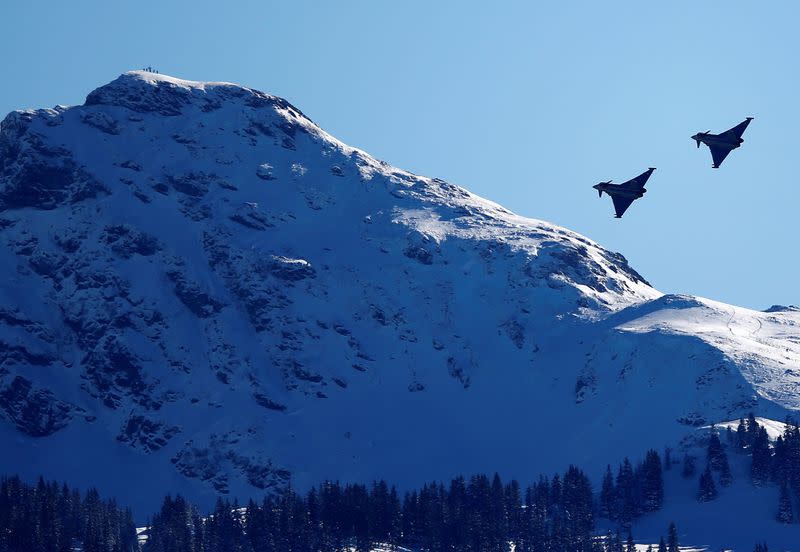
x: 608, y: 542
x: 785, y: 465
x: 616, y: 544
x: 785, y: 514
x: 625, y: 504
x: 751, y: 428
x: 629, y: 544
x: 498, y: 516
x: 672, y: 538
x: 792, y: 438
x: 662, y: 546
x: 652, y: 482
x: 714, y: 452
x: 513, y: 508
x: 762, y: 457
x: 741, y: 435
x: 707, y: 490
x: 578, y: 505
x: 606, y: 506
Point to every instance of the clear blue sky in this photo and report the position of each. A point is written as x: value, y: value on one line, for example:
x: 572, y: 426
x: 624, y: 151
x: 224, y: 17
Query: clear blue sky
x: 525, y: 103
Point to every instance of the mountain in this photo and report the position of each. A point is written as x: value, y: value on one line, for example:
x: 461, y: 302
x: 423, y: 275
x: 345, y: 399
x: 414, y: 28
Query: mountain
x: 207, y: 293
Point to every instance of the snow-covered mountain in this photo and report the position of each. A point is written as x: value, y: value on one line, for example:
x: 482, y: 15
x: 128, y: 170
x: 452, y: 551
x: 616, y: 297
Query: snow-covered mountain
x: 205, y: 292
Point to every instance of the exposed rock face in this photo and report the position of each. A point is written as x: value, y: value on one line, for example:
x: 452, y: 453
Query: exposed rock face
x: 35, y: 412
x: 149, y: 435
x: 203, y: 282
x: 38, y: 174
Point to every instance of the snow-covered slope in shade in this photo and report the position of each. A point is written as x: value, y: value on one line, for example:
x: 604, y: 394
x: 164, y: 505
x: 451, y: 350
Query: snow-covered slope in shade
x: 206, y: 293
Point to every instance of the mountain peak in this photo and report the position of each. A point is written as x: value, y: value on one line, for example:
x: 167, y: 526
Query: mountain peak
x: 149, y: 92
x: 783, y: 308
x: 132, y: 78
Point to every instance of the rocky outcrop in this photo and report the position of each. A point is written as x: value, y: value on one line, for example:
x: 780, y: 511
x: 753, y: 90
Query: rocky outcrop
x: 34, y: 411
x: 149, y: 435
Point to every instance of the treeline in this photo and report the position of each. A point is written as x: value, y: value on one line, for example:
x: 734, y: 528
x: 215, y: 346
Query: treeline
x: 48, y: 517
x: 478, y: 514
x: 481, y: 514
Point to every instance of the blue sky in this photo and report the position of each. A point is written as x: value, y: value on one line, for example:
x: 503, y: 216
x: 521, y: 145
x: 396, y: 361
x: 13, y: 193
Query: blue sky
x: 526, y: 103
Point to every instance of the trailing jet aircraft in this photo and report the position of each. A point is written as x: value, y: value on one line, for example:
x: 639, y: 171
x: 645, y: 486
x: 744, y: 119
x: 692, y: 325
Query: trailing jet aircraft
x: 722, y: 144
x: 626, y: 193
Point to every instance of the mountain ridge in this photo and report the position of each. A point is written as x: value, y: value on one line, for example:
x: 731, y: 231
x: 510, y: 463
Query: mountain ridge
x: 216, y: 295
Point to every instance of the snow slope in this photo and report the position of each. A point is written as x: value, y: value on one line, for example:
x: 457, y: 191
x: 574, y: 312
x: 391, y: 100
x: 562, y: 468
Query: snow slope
x: 764, y: 345
x: 207, y: 293
x: 741, y: 516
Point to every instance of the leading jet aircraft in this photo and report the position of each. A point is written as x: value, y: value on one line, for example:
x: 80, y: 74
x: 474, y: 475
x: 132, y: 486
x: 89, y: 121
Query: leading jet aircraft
x: 722, y: 144
x: 626, y: 193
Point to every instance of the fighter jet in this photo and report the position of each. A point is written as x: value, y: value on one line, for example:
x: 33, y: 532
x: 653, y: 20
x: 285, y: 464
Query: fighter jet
x: 722, y: 144
x: 626, y: 193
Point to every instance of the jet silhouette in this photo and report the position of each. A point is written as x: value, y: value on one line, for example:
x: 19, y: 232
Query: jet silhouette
x: 722, y: 144
x: 626, y: 193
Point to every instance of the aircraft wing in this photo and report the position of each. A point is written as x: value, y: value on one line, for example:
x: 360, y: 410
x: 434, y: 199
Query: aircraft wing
x: 621, y: 204
x: 738, y: 130
x: 639, y: 181
x: 718, y: 154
